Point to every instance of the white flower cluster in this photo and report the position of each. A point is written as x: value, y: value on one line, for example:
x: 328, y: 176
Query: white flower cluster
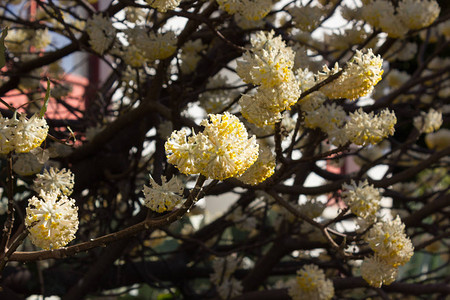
x: 362, y: 198
x: 22, y: 135
x: 410, y: 14
x: 438, y: 140
x: 367, y: 128
x: 55, y: 180
x: 144, y: 46
x: 227, y: 286
x: 429, y: 121
x: 358, y: 127
x: 392, y: 249
x: 307, y: 18
x: 101, y: 33
x: 269, y: 65
x: 52, y: 220
x: 263, y: 168
x: 164, y: 197
x: 362, y: 73
x: 164, y: 5
x: 20, y: 40
x: 250, y: 10
x: 221, y: 151
x: 311, y: 283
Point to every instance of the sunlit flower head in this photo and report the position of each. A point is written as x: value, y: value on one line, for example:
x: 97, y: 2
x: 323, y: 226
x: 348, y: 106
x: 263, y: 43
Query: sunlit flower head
x: 184, y: 151
x: 389, y: 241
x: 269, y: 63
x: 55, y: 180
x: 164, y: 197
x: 52, y: 220
x: 367, y: 128
x: 307, y: 18
x: 221, y: 151
x: 311, y: 283
x: 29, y: 133
x: 363, y: 199
x: 362, y: 73
x: 230, y: 152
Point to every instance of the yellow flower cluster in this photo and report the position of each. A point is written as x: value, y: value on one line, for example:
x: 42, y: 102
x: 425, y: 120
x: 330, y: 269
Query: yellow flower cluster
x: 311, y: 283
x: 367, y: 128
x: 263, y: 168
x: 358, y: 79
x: 22, y: 135
x: 52, y: 220
x: 269, y: 65
x: 221, y: 151
x: 252, y: 10
x: 55, y: 180
x: 363, y: 199
x: 166, y: 196
x: 392, y: 249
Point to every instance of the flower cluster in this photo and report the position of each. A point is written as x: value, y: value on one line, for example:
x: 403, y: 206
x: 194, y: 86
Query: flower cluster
x: 307, y: 18
x: 164, y: 5
x: 263, y: 168
x: 22, y: 135
x: 269, y: 65
x: 311, y: 283
x: 410, y: 14
x: 362, y: 73
x: 52, y: 220
x: 392, y: 249
x: 417, y: 14
x: 367, y: 128
x: 164, y: 197
x: 101, y: 33
x: 389, y: 241
x: 429, y: 121
x: 221, y: 151
x: 227, y: 286
x: 363, y: 199
x: 377, y: 272
x: 438, y: 140
x: 147, y: 47
x: 248, y: 9
x: 54, y: 180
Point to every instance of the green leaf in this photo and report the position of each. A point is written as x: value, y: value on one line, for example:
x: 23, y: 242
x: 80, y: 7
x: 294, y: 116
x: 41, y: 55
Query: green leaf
x: 2, y: 47
x: 46, y: 98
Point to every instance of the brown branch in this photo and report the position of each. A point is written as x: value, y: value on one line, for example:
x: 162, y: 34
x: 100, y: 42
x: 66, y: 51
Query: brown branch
x: 112, y: 237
